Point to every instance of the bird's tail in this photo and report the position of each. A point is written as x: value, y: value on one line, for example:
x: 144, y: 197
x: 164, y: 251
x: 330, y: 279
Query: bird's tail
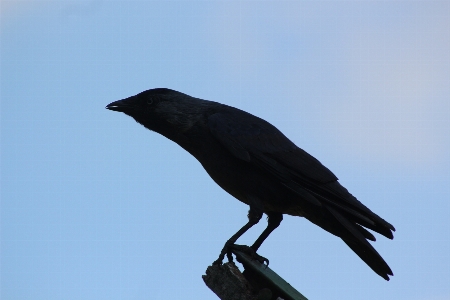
x: 355, y: 236
x: 370, y: 256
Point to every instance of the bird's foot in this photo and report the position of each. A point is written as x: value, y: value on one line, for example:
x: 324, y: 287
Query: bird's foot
x: 252, y: 253
x: 227, y: 250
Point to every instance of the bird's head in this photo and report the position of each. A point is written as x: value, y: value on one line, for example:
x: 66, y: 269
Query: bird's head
x: 162, y: 109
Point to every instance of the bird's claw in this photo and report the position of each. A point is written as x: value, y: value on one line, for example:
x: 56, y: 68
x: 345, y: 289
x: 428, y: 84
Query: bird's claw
x: 252, y: 253
x: 227, y: 250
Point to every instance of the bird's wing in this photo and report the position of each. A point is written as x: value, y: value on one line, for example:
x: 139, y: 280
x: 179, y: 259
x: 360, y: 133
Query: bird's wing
x: 249, y: 137
x: 256, y: 141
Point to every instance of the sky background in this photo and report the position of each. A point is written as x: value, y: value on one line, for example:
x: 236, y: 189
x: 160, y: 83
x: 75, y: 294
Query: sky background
x: 94, y: 206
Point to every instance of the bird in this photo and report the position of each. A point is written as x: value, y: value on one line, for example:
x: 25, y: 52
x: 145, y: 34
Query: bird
x: 258, y: 165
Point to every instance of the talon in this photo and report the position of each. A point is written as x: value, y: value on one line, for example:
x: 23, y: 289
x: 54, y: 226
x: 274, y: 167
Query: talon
x: 230, y: 256
x: 226, y: 250
x: 217, y: 262
x: 264, y: 261
x: 261, y: 259
x: 252, y: 253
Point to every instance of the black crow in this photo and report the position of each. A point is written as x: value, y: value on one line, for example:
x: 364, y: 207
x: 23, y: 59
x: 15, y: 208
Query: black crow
x: 258, y: 165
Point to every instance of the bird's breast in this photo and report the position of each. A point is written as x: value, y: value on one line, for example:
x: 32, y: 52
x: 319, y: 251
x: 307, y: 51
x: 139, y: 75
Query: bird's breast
x: 241, y: 179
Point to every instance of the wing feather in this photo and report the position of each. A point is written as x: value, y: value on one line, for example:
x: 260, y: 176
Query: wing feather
x: 256, y: 141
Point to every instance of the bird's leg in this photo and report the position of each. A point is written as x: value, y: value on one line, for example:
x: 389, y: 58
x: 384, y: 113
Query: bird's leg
x: 274, y: 220
x: 254, y: 215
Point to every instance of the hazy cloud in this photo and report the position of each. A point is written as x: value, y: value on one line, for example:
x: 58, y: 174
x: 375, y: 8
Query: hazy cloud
x: 377, y: 72
x: 399, y: 90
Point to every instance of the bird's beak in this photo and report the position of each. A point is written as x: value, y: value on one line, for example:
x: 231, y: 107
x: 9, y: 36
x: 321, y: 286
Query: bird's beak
x: 122, y: 105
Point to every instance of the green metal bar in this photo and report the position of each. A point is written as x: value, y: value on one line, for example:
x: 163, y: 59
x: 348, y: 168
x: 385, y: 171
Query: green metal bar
x: 262, y: 274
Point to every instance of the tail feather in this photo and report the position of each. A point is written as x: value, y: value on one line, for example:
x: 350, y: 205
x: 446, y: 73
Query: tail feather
x: 346, y: 223
x: 366, y: 233
x: 371, y: 257
x: 351, y: 208
x: 355, y: 236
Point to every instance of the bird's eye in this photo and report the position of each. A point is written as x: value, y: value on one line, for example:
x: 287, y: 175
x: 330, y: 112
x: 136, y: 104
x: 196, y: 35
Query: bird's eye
x: 150, y: 101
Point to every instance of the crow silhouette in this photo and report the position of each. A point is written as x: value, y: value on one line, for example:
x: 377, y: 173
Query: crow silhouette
x: 258, y: 165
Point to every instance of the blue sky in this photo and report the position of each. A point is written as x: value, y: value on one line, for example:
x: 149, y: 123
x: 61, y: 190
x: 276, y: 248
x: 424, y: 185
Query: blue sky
x: 94, y: 206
